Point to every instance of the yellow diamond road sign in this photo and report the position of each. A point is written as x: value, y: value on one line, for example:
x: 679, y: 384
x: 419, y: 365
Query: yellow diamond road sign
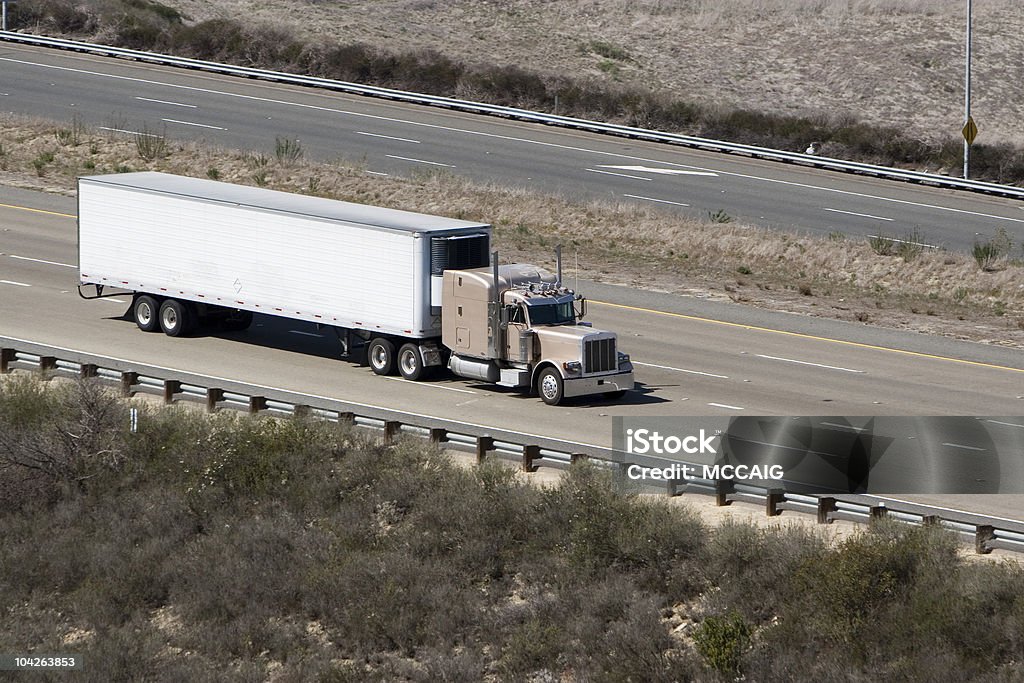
x: 970, y: 130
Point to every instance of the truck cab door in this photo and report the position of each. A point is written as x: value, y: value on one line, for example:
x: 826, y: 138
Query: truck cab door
x: 518, y: 337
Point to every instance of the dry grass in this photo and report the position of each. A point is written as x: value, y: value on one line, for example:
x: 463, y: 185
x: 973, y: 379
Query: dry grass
x: 887, y: 62
x: 932, y: 291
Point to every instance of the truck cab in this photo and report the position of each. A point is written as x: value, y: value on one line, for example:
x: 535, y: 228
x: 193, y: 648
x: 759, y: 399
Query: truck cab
x: 517, y: 326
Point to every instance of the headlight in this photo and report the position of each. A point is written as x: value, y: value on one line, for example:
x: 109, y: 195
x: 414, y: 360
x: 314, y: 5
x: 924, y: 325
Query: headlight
x: 623, y: 358
x: 572, y: 366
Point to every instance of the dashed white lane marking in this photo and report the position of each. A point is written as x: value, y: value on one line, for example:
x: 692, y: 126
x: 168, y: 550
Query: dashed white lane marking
x: 173, y: 104
x: 39, y: 260
x: 432, y: 386
x: 893, y: 239
x: 854, y: 213
x: 621, y: 175
x: 12, y: 282
x: 966, y: 448
x: 836, y: 424
x: 510, y: 138
x: 128, y: 132
x: 113, y: 301
x: 1008, y: 424
x: 190, y: 123
x: 307, y: 334
x: 690, y: 372
x: 419, y: 161
x: 726, y: 406
x: 660, y: 171
x: 377, y: 173
x: 652, y: 199
x: 388, y: 137
x: 804, y: 362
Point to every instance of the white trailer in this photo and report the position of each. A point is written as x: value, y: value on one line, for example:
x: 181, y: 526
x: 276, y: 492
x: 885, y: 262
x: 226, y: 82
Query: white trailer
x: 235, y: 248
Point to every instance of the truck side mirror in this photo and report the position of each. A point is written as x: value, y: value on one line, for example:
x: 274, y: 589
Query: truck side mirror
x: 581, y: 311
x: 503, y: 317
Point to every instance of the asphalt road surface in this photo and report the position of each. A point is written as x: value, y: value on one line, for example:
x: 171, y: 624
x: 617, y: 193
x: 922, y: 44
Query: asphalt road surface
x: 692, y: 357
x: 392, y: 138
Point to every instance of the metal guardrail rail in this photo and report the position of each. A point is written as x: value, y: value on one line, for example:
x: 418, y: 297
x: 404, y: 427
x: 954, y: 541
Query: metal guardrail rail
x: 531, y: 451
x: 526, y: 115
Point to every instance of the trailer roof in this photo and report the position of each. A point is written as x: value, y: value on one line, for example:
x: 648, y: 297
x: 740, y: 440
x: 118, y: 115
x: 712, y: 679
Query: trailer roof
x: 284, y: 202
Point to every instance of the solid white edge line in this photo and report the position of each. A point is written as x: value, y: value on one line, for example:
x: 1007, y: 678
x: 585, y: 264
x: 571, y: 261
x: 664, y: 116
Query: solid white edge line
x: 387, y: 137
x: 433, y: 386
x: 174, y: 104
x: 652, y: 199
x: 325, y: 398
x: 862, y: 215
x: 419, y: 161
x: 817, y: 365
x: 39, y: 260
x: 621, y: 175
x: 669, y: 367
x: 189, y: 123
x: 969, y: 448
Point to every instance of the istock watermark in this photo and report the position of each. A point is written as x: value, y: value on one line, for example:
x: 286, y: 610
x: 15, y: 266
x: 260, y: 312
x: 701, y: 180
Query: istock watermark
x: 828, y: 454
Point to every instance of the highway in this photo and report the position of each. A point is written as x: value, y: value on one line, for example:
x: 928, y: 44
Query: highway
x: 393, y: 138
x: 692, y: 357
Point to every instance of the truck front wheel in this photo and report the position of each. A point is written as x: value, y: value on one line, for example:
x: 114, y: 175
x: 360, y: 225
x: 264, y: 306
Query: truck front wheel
x: 410, y: 362
x: 550, y: 386
x: 175, y: 318
x: 381, y: 356
x: 145, y: 312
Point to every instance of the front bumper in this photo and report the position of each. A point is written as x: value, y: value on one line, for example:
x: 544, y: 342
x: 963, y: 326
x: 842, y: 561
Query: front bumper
x: 583, y: 386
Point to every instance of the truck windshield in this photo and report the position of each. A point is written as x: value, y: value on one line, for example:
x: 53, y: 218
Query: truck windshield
x: 551, y: 314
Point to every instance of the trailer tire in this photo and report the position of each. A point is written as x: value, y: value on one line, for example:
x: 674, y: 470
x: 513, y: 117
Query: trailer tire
x: 381, y: 356
x: 175, y: 318
x: 146, y: 313
x: 410, y: 362
x: 550, y: 386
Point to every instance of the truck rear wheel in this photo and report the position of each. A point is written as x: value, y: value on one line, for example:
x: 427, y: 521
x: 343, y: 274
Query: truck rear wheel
x: 410, y: 362
x: 145, y: 312
x: 550, y: 386
x: 175, y: 318
x: 381, y: 356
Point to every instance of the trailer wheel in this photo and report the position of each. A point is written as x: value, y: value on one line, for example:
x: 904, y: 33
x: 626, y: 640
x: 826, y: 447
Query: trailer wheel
x: 175, y: 318
x: 410, y: 362
x: 381, y: 356
x: 145, y: 312
x: 550, y: 386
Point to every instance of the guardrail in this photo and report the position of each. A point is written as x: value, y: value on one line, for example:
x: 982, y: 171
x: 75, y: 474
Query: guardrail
x: 527, y: 115
x: 529, y: 450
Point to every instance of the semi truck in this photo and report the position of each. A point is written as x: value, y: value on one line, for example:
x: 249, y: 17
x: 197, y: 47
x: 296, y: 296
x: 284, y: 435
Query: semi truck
x: 410, y: 292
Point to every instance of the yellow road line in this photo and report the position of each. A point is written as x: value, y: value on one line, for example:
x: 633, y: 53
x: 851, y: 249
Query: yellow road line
x: 873, y: 347
x: 49, y: 213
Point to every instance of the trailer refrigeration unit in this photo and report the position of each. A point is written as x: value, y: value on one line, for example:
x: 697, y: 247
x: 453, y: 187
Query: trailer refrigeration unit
x: 417, y: 291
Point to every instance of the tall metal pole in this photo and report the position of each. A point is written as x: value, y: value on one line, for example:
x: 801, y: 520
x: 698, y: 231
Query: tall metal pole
x: 967, y: 92
x: 3, y: 25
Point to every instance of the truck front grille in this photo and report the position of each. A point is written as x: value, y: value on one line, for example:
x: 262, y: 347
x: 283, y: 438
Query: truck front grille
x: 599, y: 355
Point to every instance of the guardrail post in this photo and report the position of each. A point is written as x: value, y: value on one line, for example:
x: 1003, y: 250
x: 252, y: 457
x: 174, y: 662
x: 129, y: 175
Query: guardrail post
x: 128, y: 380
x: 931, y: 520
x: 577, y: 457
x: 213, y: 395
x: 530, y: 453
x: 483, y: 444
x: 392, y: 428
x: 347, y: 419
x: 7, y: 357
x: 438, y: 435
x: 826, y: 506
x: 672, y: 488
x: 877, y: 511
x: 771, y: 502
x: 256, y: 404
x: 301, y: 411
x: 171, y: 387
x: 88, y: 370
x: 47, y: 363
x: 723, y: 487
x: 982, y: 536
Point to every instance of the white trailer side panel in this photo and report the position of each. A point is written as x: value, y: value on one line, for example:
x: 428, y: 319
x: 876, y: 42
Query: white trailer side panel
x: 266, y: 261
